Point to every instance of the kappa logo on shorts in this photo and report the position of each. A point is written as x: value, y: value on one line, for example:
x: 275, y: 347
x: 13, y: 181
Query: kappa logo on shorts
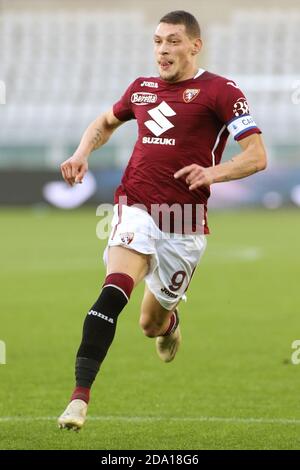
x: 190, y: 94
x: 127, y: 237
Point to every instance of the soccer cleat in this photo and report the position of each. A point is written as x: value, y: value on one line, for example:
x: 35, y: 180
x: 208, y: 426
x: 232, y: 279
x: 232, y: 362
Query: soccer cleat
x: 74, y: 415
x: 167, y: 346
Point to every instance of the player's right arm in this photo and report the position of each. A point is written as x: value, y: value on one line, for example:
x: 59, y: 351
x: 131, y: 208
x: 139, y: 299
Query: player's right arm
x: 96, y: 135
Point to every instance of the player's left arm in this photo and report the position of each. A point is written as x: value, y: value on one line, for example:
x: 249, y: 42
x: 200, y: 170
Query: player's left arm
x: 252, y: 159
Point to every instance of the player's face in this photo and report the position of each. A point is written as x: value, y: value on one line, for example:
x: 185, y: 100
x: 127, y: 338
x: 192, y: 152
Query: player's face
x: 175, y: 52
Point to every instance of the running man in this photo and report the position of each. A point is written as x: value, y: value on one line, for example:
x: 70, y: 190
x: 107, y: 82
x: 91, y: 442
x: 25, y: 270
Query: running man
x: 184, y: 118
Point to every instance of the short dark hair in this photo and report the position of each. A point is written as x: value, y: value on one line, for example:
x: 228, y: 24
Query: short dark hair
x: 187, y: 19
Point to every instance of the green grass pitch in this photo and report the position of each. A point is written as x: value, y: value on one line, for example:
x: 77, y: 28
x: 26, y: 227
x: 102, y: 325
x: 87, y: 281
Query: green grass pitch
x: 232, y: 385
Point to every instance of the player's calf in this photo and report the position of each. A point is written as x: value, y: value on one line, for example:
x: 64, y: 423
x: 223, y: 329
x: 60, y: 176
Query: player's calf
x: 98, y: 333
x: 152, y: 328
x: 158, y: 325
x: 99, y: 328
x: 165, y: 329
x: 168, y: 343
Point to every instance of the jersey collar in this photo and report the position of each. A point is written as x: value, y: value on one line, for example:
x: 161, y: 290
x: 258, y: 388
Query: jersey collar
x: 200, y: 72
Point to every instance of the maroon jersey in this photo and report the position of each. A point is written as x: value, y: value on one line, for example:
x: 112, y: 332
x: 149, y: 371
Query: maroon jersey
x: 179, y: 124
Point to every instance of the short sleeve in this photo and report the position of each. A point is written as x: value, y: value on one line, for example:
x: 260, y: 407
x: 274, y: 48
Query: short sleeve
x: 233, y: 110
x: 122, y: 109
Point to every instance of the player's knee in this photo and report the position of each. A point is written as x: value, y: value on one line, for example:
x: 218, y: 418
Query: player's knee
x: 150, y: 327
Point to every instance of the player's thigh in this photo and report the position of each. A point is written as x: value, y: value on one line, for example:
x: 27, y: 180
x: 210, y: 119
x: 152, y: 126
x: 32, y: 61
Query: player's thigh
x: 128, y: 261
x: 153, y: 314
x: 177, y: 261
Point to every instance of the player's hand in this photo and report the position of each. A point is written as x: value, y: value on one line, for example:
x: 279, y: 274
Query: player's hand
x: 195, y: 176
x: 74, y: 169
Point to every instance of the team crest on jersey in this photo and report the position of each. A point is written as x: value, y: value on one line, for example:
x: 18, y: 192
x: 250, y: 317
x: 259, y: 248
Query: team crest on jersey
x: 127, y: 237
x: 190, y: 94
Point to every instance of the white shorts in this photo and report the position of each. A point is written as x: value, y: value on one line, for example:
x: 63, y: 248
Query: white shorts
x: 173, y: 257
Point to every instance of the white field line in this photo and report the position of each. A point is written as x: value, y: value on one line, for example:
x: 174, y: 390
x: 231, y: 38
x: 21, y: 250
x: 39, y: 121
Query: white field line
x: 153, y: 419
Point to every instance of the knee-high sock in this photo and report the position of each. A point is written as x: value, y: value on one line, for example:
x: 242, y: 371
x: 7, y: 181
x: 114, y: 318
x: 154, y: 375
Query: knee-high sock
x: 99, y: 330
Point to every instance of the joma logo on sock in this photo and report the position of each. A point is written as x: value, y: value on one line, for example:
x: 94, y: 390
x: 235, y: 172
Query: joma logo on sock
x: 100, y: 315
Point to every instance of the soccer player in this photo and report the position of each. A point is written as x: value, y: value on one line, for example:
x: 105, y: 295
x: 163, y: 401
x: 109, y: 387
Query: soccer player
x: 184, y: 118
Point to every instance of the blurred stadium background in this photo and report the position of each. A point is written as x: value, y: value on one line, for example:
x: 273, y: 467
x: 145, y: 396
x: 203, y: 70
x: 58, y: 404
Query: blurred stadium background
x: 233, y: 385
x: 63, y: 62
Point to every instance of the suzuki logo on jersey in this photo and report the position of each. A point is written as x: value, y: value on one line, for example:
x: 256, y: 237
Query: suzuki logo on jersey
x: 158, y: 140
x: 150, y: 84
x: 142, y: 98
x: 160, y: 123
x: 240, y: 107
x: 190, y: 94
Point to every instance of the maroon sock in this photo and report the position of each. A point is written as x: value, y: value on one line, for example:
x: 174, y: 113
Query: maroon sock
x: 81, y: 393
x: 174, y: 320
